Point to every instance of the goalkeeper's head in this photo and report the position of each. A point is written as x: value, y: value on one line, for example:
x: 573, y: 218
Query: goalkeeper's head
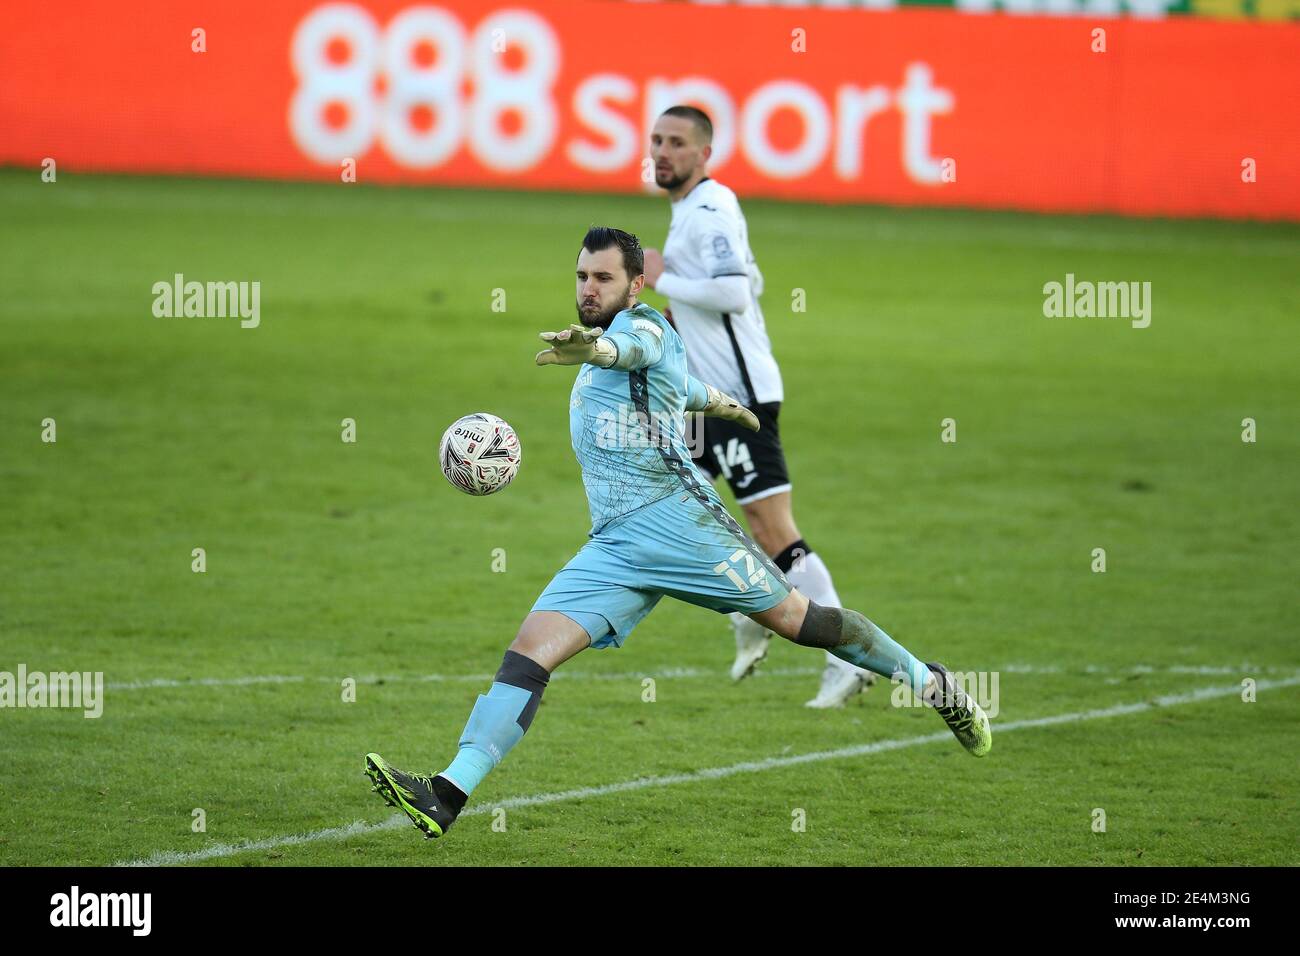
x: 610, y: 273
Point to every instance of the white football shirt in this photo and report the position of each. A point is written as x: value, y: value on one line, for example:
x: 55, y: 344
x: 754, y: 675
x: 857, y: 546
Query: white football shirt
x: 708, y: 238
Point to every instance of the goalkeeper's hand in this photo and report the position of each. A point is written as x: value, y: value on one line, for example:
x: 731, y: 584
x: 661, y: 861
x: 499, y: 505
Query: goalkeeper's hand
x: 577, y: 345
x: 722, y: 405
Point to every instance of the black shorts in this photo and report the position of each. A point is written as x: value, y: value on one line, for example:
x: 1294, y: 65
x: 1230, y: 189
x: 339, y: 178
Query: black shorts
x: 752, y: 462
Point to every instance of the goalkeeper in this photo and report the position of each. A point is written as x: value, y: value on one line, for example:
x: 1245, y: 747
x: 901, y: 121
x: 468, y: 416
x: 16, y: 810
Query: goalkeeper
x: 658, y: 528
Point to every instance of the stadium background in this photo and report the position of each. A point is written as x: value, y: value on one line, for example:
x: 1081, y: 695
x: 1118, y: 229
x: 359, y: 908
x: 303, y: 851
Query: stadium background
x: 131, y: 158
x: 840, y: 105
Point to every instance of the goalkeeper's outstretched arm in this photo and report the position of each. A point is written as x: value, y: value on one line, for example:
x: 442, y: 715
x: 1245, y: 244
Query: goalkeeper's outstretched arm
x: 708, y: 400
x: 578, y: 345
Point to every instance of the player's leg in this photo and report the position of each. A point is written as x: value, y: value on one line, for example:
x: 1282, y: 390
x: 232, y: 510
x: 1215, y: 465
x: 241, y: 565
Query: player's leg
x: 845, y: 633
x: 771, y: 523
x: 710, y: 456
x: 851, y: 636
x: 714, y: 564
x: 500, y: 717
x: 591, y: 602
x: 752, y: 642
x: 497, y: 722
x: 760, y: 480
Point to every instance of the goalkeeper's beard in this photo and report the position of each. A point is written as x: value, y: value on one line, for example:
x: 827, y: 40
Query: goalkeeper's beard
x: 593, y: 318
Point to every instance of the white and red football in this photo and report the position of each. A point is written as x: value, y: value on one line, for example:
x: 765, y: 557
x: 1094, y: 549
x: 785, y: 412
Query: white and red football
x: 479, y: 454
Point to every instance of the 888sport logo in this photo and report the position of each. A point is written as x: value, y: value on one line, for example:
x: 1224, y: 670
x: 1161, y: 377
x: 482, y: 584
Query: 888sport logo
x: 424, y: 85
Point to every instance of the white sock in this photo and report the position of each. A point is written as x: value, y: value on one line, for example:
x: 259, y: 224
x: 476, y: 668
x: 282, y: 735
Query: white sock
x: 811, y: 576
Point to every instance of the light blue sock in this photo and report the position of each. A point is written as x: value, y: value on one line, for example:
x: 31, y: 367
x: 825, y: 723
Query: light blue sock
x: 498, y: 720
x: 493, y: 728
x: 871, y: 648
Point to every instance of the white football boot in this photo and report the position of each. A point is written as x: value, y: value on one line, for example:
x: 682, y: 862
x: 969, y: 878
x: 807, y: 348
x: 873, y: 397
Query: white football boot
x: 752, y: 640
x: 840, y: 681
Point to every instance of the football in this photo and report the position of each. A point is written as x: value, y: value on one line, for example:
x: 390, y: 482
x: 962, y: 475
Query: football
x: 479, y: 454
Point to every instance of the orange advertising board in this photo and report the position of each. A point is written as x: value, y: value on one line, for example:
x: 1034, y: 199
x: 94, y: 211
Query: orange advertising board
x: 1185, y: 117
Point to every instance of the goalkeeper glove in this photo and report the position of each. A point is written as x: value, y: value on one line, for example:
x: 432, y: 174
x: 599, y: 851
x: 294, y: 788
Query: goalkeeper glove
x: 577, y: 345
x: 721, y: 405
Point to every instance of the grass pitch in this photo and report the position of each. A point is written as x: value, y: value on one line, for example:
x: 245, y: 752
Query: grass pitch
x: 328, y: 561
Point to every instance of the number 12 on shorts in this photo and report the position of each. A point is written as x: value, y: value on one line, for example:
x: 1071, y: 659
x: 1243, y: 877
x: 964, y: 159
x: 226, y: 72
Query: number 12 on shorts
x: 756, y: 572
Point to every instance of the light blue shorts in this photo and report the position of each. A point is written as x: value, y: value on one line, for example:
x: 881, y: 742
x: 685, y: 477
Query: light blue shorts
x: 682, y: 546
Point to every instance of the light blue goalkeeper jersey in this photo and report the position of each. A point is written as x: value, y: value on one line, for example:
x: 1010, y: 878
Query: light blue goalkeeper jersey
x: 627, y: 425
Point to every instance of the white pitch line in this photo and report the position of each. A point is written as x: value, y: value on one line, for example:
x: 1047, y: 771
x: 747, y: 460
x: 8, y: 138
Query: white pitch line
x: 358, y: 828
x: 159, y: 682
x: 670, y: 673
x: 676, y: 673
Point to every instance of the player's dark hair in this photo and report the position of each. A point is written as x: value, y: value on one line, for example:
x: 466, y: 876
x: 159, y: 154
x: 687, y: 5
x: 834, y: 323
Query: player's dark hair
x: 696, y: 116
x: 605, y: 237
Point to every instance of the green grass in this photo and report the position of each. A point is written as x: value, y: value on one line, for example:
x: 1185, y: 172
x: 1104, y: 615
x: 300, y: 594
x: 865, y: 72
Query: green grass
x: 328, y: 560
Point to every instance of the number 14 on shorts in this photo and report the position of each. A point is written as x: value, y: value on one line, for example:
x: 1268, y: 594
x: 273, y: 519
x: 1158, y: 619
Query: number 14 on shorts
x: 756, y: 573
x: 734, y: 458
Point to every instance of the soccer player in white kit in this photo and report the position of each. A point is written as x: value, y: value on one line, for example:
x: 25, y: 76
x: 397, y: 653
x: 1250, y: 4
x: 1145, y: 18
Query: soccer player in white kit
x: 712, y: 282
